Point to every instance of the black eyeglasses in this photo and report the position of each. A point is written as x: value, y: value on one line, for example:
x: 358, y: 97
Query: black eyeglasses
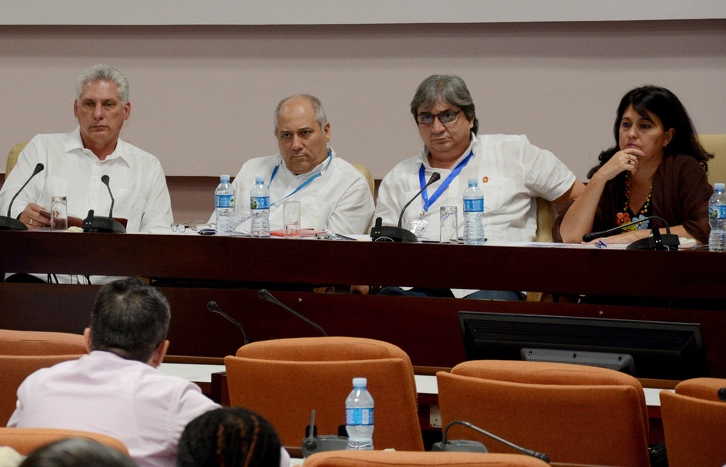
x: 447, y: 116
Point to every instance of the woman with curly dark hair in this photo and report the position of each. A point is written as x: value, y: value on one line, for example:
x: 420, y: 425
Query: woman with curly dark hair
x: 230, y: 437
x: 656, y: 168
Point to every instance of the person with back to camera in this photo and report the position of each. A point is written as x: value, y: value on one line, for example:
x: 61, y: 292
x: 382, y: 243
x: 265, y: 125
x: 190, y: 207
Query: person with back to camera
x: 117, y: 389
x: 656, y: 168
x: 231, y: 437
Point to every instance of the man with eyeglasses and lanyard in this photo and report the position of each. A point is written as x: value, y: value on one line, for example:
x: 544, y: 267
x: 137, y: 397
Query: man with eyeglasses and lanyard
x: 511, y: 173
x: 333, y: 194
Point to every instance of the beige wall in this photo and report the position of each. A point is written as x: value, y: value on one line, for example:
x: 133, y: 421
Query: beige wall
x: 203, y: 95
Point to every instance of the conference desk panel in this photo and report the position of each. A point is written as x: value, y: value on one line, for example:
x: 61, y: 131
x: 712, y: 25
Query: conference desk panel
x: 683, y: 274
x: 426, y: 328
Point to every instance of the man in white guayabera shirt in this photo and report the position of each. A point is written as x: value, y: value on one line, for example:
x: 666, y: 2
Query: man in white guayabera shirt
x: 511, y: 173
x: 76, y: 163
x: 333, y: 194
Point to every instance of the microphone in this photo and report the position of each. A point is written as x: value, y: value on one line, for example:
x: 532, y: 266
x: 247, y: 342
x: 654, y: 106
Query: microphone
x: 105, y: 180
x: 657, y: 241
x: 7, y: 222
x: 381, y: 233
x: 313, y: 443
x: 103, y: 224
x: 214, y: 308
x: 475, y: 446
x: 264, y: 294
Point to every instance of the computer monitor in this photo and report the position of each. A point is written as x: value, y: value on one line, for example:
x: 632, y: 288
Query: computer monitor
x: 645, y: 349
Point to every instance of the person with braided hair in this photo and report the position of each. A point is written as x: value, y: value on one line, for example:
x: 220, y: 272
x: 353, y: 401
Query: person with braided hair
x: 231, y: 437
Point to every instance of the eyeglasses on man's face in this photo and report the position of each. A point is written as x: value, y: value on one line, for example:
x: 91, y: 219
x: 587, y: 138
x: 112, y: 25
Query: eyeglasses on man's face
x: 445, y: 117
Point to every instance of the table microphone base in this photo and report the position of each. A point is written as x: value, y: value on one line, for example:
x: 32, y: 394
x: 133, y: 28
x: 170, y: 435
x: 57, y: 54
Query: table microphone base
x: 668, y: 242
x: 8, y: 223
x: 387, y: 233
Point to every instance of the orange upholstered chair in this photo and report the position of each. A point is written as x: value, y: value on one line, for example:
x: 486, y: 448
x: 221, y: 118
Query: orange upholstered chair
x: 416, y: 459
x: 573, y: 413
x: 13, y: 370
x: 694, y: 421
x: 26, y: 440
x: 285, y: 379
x: 40, y: 343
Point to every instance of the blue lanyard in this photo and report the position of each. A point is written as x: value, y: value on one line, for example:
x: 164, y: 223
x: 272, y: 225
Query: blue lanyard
x: 307, y: 181
x: 444, y: 185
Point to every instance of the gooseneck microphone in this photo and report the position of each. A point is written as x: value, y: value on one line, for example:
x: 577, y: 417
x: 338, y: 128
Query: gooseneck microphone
x: 105, y: 180
x: 7, y: 222
x: 475, y: 446
x: 265, y: 295
x: 385, y: 233
x: 108, y: 224
x: 214, y: 308
x: 434, y: 177
x: 656, y: 241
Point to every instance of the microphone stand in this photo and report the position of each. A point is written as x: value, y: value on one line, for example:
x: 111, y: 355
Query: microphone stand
x: 658, y: 241
x: 264, y: 294
x: 386, y: 233
x: 7, y: 222
x: 103, y: 224
x: 475, y: 446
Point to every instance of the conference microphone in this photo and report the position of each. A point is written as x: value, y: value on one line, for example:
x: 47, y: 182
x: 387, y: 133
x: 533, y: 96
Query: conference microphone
x: 656, y: 241
x: 264, y: 294
x: 108, y: 224
x: 7, y: 222
x: 214, y: 308
x: 475, y: 446
x: 313, y: 442
x: 381, y: 233
x: 105, y: 180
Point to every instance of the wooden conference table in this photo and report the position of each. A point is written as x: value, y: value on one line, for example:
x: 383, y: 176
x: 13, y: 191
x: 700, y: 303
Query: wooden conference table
x: 229, y: 270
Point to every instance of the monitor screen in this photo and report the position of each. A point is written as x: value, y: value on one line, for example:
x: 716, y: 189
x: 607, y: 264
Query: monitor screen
x: 645, y: 349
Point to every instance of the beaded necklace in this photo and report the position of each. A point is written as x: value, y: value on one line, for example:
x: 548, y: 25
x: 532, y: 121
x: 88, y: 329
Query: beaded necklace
x: 627, y: 214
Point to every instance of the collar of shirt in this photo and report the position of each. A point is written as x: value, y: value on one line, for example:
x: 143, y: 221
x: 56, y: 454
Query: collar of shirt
x: 322, y: 167
x: 74, y: 142
x: 473, y: 146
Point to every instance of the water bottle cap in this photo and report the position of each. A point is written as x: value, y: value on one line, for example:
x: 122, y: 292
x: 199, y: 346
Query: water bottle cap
x: 259, y: 180
x: 718, y: 186
x: 473, y: 182
x: 360, y: 382
x: 224, y: 178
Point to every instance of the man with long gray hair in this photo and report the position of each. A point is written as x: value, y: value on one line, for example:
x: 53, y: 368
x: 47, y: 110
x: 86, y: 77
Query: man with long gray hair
x: 116, y: 389
x: 511, y: 172
x: 76, y: 163
x: 333, y: 194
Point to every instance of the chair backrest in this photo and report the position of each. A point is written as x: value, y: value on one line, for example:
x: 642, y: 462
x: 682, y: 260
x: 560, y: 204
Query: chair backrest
x: 716, y: 145
x: 26, y: 440
x: 416, y: 459
x: 694, y: 420
x: 285, y: 379
x: 40, y: 343
x: 13, y: 370
x: 573, y: 413
x: 368, y: 176
x: 13, y: 157
x: 702, y: 388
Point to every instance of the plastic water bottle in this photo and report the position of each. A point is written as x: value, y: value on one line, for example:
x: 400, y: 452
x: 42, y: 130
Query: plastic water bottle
x: 717, y: 218
x: 260, y: 208
x: 224, y: 205
x: 473, y: 214
x: 359, y: 409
